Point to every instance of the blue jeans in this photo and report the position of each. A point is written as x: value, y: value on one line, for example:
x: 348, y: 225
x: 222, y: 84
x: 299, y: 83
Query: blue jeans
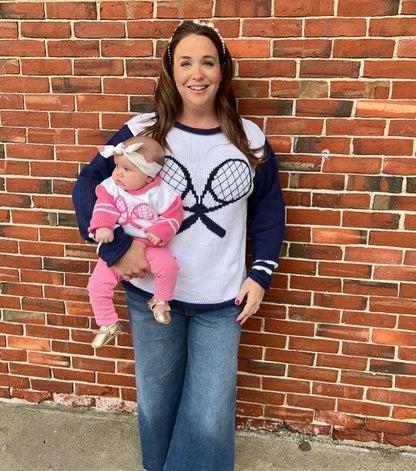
x: 186, y: 386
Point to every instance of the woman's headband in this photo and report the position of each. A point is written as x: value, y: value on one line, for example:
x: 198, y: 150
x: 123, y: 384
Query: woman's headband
x: 199, y: 23
x: 147, y: 166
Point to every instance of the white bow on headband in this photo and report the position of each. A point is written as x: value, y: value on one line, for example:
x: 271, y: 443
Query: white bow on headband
x: 147, y: 166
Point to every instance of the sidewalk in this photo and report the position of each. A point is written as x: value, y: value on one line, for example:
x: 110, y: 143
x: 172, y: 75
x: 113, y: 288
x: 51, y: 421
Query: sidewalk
x: 47, y: 437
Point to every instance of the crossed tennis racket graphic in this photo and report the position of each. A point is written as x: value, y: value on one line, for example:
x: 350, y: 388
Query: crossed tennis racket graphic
x: 227, y: 183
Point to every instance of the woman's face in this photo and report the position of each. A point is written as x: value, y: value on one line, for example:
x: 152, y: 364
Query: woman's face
x: 197, y: 73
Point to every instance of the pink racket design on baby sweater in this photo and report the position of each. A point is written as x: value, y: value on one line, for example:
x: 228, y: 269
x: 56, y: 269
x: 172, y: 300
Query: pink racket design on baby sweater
x: 142, y: 211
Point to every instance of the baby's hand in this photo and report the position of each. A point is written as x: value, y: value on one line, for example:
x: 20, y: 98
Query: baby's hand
x: 154, y: 239
x: 103, y: 235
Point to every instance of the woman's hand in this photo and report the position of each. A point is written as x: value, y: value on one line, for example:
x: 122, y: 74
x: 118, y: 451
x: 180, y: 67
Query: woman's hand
x: 253, y: 294
x: 133, y: 264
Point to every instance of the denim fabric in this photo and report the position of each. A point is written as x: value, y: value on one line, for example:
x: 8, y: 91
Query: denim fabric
x: 186, y: 381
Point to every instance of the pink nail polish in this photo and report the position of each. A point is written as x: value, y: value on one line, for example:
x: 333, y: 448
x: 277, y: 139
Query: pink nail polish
x: 237, y: 302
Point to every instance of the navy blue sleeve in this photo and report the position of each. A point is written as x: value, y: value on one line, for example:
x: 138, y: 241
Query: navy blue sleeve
x: 83, y: 198
x: 267, y: 216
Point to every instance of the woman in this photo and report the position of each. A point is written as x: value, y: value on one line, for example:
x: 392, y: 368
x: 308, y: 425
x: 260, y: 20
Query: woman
x: 220, y: 164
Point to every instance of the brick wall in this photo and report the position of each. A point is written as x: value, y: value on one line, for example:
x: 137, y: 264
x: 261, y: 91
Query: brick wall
x: 333, y: 350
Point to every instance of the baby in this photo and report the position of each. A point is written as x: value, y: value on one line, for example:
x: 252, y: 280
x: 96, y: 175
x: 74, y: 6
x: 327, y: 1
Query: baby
x: 135, y: 198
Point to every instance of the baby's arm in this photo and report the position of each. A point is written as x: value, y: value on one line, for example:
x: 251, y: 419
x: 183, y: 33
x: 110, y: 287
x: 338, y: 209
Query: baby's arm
x: 103, y: 235
x: 154, y: 239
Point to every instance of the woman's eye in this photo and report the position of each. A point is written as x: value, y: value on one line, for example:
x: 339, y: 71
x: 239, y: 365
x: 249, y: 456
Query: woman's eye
x: 185, y: 64
x: 209, y: 63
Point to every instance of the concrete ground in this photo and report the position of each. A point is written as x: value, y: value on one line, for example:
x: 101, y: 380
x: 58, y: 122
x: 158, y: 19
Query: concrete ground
x: 48, y: 437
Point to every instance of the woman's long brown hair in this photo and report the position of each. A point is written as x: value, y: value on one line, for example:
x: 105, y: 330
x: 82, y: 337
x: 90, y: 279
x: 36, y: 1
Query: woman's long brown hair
x: 168, y: 102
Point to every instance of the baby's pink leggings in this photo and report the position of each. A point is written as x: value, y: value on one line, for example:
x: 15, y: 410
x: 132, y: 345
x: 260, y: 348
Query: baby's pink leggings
x: 104, y: 279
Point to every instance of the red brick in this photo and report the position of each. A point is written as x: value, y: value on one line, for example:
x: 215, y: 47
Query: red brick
x: 29, y: 344
x: 102, y: 29
x: 338, y: 236
x: 266, y: 340
x: 403, y: 128
x: 365, y: 408
x: 341, y: 362
x: 310, y: 402
x: 32, y: 396
x: 367, y: 8
x: 85, y: 389
x: 357, y: 435
x: 390, y: 426
x: 371, y: 288
x: 399, y: 440
x: 307, y: 429
x: 404, y: 413
x: 261, y: 68
x: 406, y: 48
x: 272, y: 27
x: 371, y: 319
x: 316, y: 284
x: 116, y: 10
x: 8, y: 30
x: 304, y: 9
x: 243, y: 8
x: 99, y: 103
x: 98, y: 67
x: 407, y: 290
x: 390, y: 69
x: 115, y: 380
x: 353, y: 165
x: 257, y: 396
x: 126, y: 48
x: 72, y: 10
x: 25, y: 84
x: 377, y: 146
x: 343, y: 269
x: 360, y: 48
x: 394, y: 337
x: 46, y: 29
x: 20, y: 10
x: 335, y: 27
x: 408, y: 7
x: 343, y: 332
x: 397, y: 166
x: 46, y: 67
x: 355, y: 127
x: 319, y: 68
x: 294, y: 126
x: 11, y: 102
x: 312, y: 216
x: 317, y: 252
x: 392, y: 305
x: 22, y: 48
x: 373, y: 255
x: 410, y: 222
x: 302, y: 48
x: 314, y: 315
x: 394, y: 26
x: 340, y: 301
x: 15, y: 118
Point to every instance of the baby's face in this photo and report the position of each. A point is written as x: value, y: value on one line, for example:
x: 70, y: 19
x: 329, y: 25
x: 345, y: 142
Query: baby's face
x: 127, y: 176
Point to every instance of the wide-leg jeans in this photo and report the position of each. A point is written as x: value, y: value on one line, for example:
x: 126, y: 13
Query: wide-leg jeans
x: 186, y: 386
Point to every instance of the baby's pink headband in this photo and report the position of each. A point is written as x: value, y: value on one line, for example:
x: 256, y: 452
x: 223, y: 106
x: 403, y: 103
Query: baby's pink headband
x: 147, y: 166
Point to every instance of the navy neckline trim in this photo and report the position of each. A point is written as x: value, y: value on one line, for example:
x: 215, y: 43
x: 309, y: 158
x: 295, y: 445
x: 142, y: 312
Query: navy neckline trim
x: 205, y: 132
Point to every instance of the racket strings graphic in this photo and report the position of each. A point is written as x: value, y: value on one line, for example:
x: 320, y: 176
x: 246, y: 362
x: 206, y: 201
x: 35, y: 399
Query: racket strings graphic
x: 134, y: 216
x: 227, y: 183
